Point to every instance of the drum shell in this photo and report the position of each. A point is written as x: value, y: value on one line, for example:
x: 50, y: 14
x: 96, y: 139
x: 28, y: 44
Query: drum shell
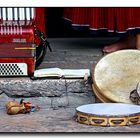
x: 107, y: 120
x: 100, y: 96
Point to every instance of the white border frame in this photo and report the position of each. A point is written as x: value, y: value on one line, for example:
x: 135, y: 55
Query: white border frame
x: 70, y: 3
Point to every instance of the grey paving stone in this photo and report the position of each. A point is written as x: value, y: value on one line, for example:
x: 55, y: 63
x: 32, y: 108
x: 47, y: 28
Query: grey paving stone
x: 75, y: 53
x: 46, y: 92
x: 26, y: 87
x: 76, y: 100
x: 45, y: 87
x: 60, y: 102
x: 55, y: 56
x: 68, y: 64
x: 43, y: 102
x: 77, y: 86
x: 50, y: 120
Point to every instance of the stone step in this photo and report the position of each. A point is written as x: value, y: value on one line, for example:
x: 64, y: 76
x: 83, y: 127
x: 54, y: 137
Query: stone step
x: 68, y: 65
x: 47, y: 92
x: 80, y: 43
x: 75, y: 53
x: 88, y: 55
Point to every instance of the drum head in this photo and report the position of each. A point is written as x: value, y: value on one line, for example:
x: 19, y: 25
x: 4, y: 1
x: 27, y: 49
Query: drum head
x: 109, y: 109
x: 117, y: 74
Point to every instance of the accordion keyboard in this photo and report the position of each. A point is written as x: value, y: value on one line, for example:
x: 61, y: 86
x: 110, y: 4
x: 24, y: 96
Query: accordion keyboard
x: 16, y: 16
x: 16, y: 25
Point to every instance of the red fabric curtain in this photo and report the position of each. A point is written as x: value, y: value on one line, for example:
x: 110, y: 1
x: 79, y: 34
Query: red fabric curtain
x: 114, y: 19
x: 40, y: 21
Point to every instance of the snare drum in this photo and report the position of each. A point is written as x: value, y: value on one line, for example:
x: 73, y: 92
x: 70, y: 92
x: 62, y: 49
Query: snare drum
x: 116, y: 75
x: 108, y: 114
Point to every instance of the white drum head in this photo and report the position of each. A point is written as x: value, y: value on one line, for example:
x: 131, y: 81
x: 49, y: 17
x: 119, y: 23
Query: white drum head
x: 117, y: 74
x: 109, y: 109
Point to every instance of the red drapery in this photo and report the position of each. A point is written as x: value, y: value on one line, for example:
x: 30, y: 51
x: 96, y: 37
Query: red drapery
x: 114, y: 19
x: 40, y: 21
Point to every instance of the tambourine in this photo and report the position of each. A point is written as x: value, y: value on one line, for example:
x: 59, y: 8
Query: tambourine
x: 108, y: 114
x: 116, y: 75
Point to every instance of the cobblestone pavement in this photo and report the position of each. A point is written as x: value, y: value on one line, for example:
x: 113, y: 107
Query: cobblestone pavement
x: 49, y: 120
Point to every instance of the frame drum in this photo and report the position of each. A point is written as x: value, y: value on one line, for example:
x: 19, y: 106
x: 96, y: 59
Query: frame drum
x: 100, y: 96
x: 116, y: 75
x: 108, y: 114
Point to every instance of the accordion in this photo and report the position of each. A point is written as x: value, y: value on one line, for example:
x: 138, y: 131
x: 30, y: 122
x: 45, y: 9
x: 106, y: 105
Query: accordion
x: 18, y: 40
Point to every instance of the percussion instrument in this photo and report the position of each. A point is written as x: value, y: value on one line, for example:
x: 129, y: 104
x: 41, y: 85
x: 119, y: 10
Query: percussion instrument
x: 135, y: 95
x: 108, y: 114
x: 18, y: 41
x: 100, y: 97
x: 116, y: 75
x: 14, y: 108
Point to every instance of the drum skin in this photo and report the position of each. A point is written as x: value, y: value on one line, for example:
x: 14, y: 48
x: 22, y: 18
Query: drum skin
x: 108, y: 114
x: 117, y: 74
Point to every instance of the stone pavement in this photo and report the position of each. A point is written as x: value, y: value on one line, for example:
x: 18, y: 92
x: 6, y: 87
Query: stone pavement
x: 58, y: 98
x: 52, y: 120
x: 53, y: 92
x: 75, y: 53
x: 57, y: 113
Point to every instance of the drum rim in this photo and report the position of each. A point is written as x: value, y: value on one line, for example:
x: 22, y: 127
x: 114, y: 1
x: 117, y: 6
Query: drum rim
x: 95, y: 86
x: 108, y: 116
x: 100, y: 96
x: 93, y: 75
x: 108, y: 120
